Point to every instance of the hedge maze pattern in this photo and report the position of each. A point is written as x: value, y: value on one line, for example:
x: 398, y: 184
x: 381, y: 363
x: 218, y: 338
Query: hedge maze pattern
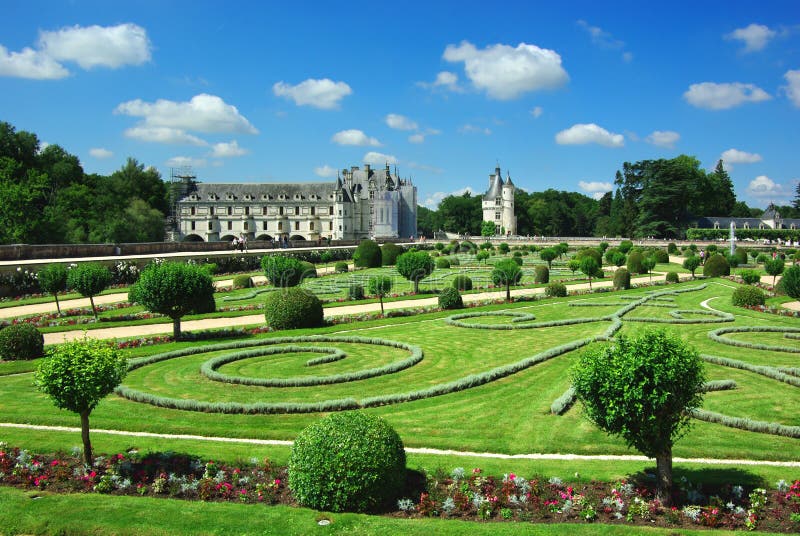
x: 508, y: 320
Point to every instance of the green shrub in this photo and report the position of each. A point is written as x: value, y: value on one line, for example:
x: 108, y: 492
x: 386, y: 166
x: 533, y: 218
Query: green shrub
x: 712, y: 248
x: 555, y: 290
x: 622, y: 279
x: 468, y: 247
x: 482, y: 256
x: 308, y: 269
x: 790, y: 282
x: 733, y: 261
x: 672, y: 249
x: 517, y: 253
x: 454, y: 261
x: 389, y: 253
x: 355, y: 292
x: 89, y: 280
x: 486, y: 245
x: 503, y: 248
x: 625, y: 246
x: 367, y: 255
x: 672, y: 277
x: 716, y: 266
x: 750, y: 277
x: 762, y: 258
x: 590, y: 252
x: 282, y: 271
x: 541, y: 274
x: 603, y: 247
x: 348, y: 461
x: 660, y: 256
x: 462, y: 282
x: 242, y: 281
x: 20, y: 342
x: 293, y: 308
x: 449, y: 298
x: 325, y: 257
x: 341, y: 267
x: 741, y: 255
x: 635, y: 262
x: 518, y: 260
x: 442, y: 263
x: 747, y: 296
x: 439, y: 246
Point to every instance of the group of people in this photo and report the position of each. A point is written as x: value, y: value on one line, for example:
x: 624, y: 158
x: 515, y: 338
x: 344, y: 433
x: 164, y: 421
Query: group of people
x: 240, y: 243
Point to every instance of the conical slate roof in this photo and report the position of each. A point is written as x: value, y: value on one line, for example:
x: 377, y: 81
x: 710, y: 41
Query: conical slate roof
x: 495, y: 187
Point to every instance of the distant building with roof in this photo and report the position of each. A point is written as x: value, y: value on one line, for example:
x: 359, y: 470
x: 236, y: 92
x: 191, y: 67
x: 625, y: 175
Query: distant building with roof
x: 498, y: 203
x: 770, y: 219
x: 361, y: 203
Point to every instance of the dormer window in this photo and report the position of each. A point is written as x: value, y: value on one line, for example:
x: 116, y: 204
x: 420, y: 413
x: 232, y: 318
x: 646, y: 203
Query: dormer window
x: 298, y: 196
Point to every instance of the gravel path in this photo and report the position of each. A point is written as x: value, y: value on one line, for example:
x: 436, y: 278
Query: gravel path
x: 413, y: 450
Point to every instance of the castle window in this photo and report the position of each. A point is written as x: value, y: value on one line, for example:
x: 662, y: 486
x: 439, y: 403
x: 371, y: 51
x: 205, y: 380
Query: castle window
x: 264, y: 225
x: 716, y: 225
x: 247, y: 211
x: 498, y: 201
x: 230, y: 211
x: 210, y: 226
x: 280, y: 211
x: 311, y: 226
x: 297, y: 226
x: 230, y: 225
x: 245, y: 226
x: 312, y: 211
x: 297, y: 210
x: 497, y: 215
x: 340, y: 227
x: 211, y: 210
x: 330, y: 226
x: 192, y: 226
x: 264, y: 210
x: 331, y: 211
x: 381, y: 215
x: 280, y: 226
x: 192, y: 211
x: 372, y: 194
x: 340, y: 213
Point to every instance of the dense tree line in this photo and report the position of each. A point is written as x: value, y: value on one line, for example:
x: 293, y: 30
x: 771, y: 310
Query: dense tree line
x: 46, y: 198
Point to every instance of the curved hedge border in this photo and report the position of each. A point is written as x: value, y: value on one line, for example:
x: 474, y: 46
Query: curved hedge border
x: 770, y: 372
x: 561, y: 404
x: 249, y: 295
x: 750, y: 425
x: 455, y: 320
x: 677, y: 317
x: 717, y: 336
x: 720, y: 385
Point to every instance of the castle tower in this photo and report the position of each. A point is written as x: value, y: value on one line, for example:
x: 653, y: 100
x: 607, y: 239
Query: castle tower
x: 509, y: 219
x: 498, y: 204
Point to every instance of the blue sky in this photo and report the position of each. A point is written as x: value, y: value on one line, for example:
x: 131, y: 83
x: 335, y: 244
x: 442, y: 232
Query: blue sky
x: 559, y: 93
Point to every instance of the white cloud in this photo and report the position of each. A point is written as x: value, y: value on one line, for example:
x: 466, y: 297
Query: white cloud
x: 537, y: 111
x: 324, y: 94
x: 505, y: 72
x: 182, y: 161
x: 596, y: 188
x: 203, y: 113
x: 764, y: 187
x: 663, y: 138
x: 417, y: 138
x: 400, y: 122
x: 354, y: 137
x: 378, y: 159
x: 472, y: 129
x: 172, y: 136
x: 792, y: 87
x: 227, y: 150
x: 98, y: 46
x: 100, y: 153
x: 712, y: 96
x: 755, y: 36
x: 446, y: 80
x: 325, y: 171
x: 627, y: 57
x: 31, y: 64
x: 433, y: 200
x: 584, y: 133
x: 604, y: 39
x: 735, y: 156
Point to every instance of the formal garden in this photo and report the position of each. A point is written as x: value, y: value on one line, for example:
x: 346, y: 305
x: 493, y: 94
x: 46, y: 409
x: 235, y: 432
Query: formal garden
x: 528, y: 379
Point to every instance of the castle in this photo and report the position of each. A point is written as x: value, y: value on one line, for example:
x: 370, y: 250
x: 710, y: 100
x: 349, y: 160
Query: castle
x: 498, y: 204
x: 368, y: 203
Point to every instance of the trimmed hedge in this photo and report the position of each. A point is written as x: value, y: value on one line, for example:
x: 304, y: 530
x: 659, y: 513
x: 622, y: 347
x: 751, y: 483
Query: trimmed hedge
x: 541, y: 274
x: 555, y: 290
x: 716, y: 266
x: 282, y: 271
x: 341, y: 267
x: 389, y: 253
x: 750, y: 277
x: 770, y: 372
x: 293, y: 308
x: 622, y: 279
x: 21, y: 342
x: 717, y: 336
x: 747, y: 297
x: 367, y: 255
x: 243, y: 281
x: 442, y: 263
x: 634, y: 265
x: 347, y: 462
x: 750, y: 425
x: 790, y: 282
x: 355, y: 292
x: 462, y: 282
x: 672, y: 277
x: 449, y: 298
x: 561, y: 404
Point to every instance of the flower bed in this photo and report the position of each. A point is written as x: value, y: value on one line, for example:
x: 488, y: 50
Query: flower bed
x: 461, y: 494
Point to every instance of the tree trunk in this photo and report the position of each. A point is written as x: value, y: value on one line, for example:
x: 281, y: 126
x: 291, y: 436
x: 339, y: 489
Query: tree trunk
x: 380, y: 297
x: 590, y: 282
x: 176, y: 329
x: 664, y: 477
x: 91, y: 300
x: 416, y: 285
x: 508, y: 292
x: 58, y: 305
x: 87, y: 445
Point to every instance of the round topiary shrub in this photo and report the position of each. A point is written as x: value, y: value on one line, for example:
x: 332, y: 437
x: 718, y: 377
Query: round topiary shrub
x: 790, y: 282
x: 747, y: 296
x: 21, y: 342
x: 741, y: 255
x: 672, y: 277
x: 716, y: 266
x: 660, y: 256
x: 625, y: 246
x: 293, y: 308
x: 449, y: 298
x: 341, y: 267
x: 442, y: 262
x: 750, y: 277
x: 454, y: 261
x: 389, y: 253
x: 439, y: 246
x: 541, y: 274
x: 622, y: 279
x: 762, y: 258
x: 282, y: 271
x: 242, y: 281
x: 367, y: 255
x: 355, y: 292
x: 555, y: 290
x: 349, y: 461
x: 462, y: 282
x: 517, y: 253
x: 672, y: 248
x: 518, y: 260
x: 308, y: 269
x: 635, y: 262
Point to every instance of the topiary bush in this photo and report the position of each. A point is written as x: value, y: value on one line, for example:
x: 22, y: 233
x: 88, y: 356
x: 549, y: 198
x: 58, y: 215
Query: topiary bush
x: 660, y: 256
x: 389, y: 253
x: 790, y: 282
x: 672, y: 277
x: 442, y: 263
x: 282, y: 271
x: 367, y: 255
x: 672, y: 248
x: 741, y: 255
x: 341, y: 267
x: 555, y: 290
x: 747, y: 296
x: 541, y: 274
x: 462, y: 282
x: 625, y: 246
x: 454, y: 261
x: 293, y: 308
x: 716, y: 266
x: 635, y: 262
x: 518, y: 260
x: 449, y: 298
x: 750, y: 277
x: 349, y: 461
x: 355, y: 292
x: 21, y: 342
x: 308, y: 269
x: 242, y: 281
x: 622, y: 279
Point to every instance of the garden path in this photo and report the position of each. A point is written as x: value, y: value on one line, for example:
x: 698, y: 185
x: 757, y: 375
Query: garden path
x: 416, y: 450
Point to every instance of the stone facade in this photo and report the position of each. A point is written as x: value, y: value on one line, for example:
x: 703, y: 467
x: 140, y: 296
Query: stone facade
x: 770, y: 219
x: 498, y: 204
x: 359, y: 204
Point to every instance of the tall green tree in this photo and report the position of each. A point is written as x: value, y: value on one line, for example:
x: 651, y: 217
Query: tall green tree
x: 643, y: 391
x: 717, y: 195
x: 461, y: 214
x: 415, y: 266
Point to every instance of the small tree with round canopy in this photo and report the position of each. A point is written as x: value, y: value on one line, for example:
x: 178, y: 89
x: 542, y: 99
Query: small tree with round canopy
x: 77, y: 375
x: 589, y: 267
x: 506, y: 272
x: 53, y: 279
x: 774, y: 267
x: 691, y: 263
x: 415, y: 266
x: 89, y: 280
x: 380, y: 285
x: 548, y: 255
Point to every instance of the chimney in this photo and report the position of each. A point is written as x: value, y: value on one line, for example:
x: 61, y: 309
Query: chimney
x: 366, y: 169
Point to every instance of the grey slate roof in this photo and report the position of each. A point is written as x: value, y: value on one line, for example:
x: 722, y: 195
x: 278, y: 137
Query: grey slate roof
x: 257, y: 190
x: 495, y: 188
